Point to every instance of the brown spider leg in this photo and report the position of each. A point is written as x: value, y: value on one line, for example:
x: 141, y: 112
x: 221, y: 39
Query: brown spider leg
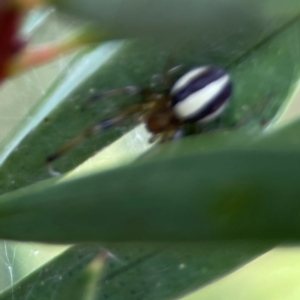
x: 165, y: 79
x: 153, y: 138
x: 168, y: 134
x: 174, y: 70
x: 169, y: 71
x: 165, y: 136
x: 102, y: 126
x: 130, y: 90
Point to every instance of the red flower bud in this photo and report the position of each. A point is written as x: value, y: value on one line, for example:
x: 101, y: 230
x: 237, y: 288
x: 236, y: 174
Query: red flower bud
x: 10, y: 41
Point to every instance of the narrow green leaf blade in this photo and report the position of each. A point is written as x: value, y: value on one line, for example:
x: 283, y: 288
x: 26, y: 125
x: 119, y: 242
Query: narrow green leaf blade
x: 48, y: 281
x: 70, y: 120
x: 134, y: 271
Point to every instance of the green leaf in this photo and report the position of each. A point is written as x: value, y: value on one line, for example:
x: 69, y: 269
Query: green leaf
x: 176, y: 270
x: 224, y: 195
x: 207, y: 21
x: 131, y: 271
x: 31, y: 154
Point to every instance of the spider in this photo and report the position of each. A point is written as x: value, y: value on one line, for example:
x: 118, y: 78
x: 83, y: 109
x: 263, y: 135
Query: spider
x: 199, y: 96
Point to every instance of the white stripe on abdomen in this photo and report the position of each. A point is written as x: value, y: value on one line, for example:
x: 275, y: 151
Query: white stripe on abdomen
x: 200, y: 99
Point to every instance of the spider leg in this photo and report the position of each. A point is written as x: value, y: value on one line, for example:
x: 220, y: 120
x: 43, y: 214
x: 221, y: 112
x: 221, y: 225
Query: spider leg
x: 154, y: 138
x: 101, y: 126
x: 168, y: 134
x: 129, y: 90
x: 173, y: 71
x: 165, y: 78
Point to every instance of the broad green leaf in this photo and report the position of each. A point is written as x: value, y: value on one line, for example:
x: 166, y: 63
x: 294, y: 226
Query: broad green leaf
x: 221, y: 195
